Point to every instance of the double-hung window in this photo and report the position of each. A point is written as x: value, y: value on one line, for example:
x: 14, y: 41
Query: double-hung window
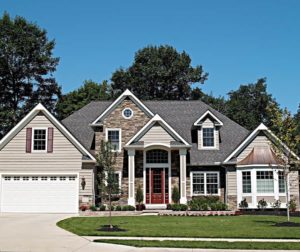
x: 208, y: 139
x: 114, y: 137
x: 39, y: 140
x: 246, y: 180
x: 205, y: 183
x: 281, y: 182
x: 265, y: 181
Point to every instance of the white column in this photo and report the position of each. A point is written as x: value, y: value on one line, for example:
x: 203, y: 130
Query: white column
x: 182, y: 153
x: 131, y: 176
x: 276, y: 184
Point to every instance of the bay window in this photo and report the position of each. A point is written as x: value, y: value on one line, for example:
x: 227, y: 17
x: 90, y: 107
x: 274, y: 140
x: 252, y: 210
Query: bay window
x: 281, y: 182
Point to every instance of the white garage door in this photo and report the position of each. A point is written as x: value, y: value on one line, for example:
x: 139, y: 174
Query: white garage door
x: 39, y: 193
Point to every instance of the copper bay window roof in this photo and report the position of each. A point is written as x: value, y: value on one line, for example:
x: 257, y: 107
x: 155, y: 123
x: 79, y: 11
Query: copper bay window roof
x: 261, y: 156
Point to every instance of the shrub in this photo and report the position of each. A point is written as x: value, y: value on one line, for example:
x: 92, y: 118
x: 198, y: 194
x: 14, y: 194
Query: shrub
x: 218, y: 206
x: 169, y: 207
x: 205, y: 203
x: 128, y: 208
x: 102, y: 208
x: 84, y: 207
x: 262, y: 204
x: 276, y: 204
x: 292, y: 205
x: 178, y: 207
x: 139, y: 195
x: 93, y: 208
x: 243, y: 203
x: 175, y: 195
x: 112, y: 208
x: 118, y: 208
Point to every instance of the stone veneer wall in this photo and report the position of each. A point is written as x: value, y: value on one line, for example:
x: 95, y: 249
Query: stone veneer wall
x: 129, y: 127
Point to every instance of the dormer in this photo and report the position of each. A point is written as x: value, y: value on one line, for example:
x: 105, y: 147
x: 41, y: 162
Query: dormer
x: 208, y: 130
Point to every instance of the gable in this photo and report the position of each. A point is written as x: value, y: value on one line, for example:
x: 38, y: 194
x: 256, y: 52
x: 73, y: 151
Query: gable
x: 157, y: 134
x: 65, y: 155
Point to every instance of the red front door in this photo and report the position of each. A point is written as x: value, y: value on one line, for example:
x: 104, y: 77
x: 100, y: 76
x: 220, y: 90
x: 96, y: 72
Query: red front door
x: 157, y: 186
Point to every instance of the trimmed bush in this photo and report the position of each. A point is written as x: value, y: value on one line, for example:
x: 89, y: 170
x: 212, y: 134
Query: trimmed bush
x: 128, y: 208
x: 118, y: 208
x: 205, y: 203
x: 93, y: 208
x: 262, y: 204
x: 243, y: 203
x: 102, y: 208
x: 175, y: 195
x: 179, y: 207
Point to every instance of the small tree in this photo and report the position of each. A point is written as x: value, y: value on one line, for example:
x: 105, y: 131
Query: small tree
x: 139, y: 196
x: 289, y: 162
x: 108, y: 184
x: 175, y: 195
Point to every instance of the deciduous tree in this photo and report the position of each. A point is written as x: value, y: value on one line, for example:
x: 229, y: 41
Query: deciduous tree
x: 26, y: 68
x: 159, y: 72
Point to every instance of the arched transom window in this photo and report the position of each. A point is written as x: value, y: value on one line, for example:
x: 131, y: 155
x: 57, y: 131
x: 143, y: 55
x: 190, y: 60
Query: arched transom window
x: 156, y: 156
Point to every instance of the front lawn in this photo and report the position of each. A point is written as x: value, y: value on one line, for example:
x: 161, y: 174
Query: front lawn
x: 173, y: 226
x: 207, y: 244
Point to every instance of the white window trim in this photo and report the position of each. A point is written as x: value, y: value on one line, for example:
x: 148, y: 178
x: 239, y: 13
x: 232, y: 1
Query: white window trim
x: 205, y: 187
x: 202, y: 138
x: 120, y: 137
x: 32, y: 140
x: 254, y: 192
x: 125, y: 116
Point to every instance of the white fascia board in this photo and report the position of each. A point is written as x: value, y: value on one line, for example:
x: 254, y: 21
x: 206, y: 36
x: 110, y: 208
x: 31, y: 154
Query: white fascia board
x: 247, y: 140
x: 157, y: 118
x: 124, y: 94
x: 31, y: 115
x: 261, y: 127
x: 208, y: 112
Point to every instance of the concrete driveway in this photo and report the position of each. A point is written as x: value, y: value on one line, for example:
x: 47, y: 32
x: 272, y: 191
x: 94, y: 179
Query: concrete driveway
x: 39, y: 233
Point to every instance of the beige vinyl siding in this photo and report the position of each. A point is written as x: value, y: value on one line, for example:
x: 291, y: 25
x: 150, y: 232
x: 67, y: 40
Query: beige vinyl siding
x: 65, y: 157
x: 231, y: 182
x: 259, y: 141
x: 157, y: 134
x: 208, y: 123
x: 294, y: 183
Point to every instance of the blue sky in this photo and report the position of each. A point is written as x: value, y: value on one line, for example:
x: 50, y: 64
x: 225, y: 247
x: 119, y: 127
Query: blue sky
x: 237, y: 42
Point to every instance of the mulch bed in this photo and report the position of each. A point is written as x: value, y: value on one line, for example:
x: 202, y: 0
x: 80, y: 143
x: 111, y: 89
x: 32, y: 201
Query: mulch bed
x: 107, y: 228
x: 287, y: 224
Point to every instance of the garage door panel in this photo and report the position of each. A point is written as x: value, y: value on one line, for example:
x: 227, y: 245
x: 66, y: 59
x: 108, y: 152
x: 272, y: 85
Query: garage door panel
x: 38, y: 194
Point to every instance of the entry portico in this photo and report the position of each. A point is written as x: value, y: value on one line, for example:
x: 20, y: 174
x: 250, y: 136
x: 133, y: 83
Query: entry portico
x: 156, y: 140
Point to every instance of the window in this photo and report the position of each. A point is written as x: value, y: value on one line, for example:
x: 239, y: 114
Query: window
x: 198, y: 183
x: 16, y: 178
x: 265, y: 182
x: 156, y: 157
x: 6, y: 178
x: 35, y: 178
x: 208, y: 137
x: 39, y: 139
x: 26, y: 178
x: 127, y: 113
x: 246, y: 181
x: 53, y: 178
x: 114, y: 137
x: 44, y: 178
x: 206, y: 183
x: 62, y: 178
x: 72, y: 178
x: 281, y: 182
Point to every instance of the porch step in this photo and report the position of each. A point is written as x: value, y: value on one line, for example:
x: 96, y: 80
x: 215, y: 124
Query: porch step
x: 156, y: 207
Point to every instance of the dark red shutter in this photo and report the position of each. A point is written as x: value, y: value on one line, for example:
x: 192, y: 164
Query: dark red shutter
x: 50, y: 140
x: 28, y: 140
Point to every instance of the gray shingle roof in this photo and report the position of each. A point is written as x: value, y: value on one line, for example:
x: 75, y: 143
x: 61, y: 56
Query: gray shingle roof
x: 181, y: 115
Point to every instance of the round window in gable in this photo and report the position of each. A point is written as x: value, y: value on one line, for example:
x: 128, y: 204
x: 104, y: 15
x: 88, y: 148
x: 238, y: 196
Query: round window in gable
x: 127, y: 113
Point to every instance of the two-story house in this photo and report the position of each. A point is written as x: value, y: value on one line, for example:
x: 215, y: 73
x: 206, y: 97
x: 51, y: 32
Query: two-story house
x: 49, y: 166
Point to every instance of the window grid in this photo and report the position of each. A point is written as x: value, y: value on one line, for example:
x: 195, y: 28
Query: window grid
x: 39, y: 139
x: 265, y: 182
x: 127, y: 113
x: 246, y: 180
x: 281, y: 182
x: 208, y: 137
x: 113, y: 136
x: 157, y: 156
x: 206, y: 183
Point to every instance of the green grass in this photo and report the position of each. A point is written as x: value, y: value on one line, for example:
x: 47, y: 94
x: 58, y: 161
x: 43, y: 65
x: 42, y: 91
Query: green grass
x: 174, y: 226
x: 207, y: 245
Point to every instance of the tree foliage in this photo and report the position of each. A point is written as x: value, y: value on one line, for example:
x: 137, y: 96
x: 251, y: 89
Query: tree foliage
x: 159, y: 72
x: 249, y: 105
x: 106, y: 179
x: 26, y: 68
x: 75, y: 100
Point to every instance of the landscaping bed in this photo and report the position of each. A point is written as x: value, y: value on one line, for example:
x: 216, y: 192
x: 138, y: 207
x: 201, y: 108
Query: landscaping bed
x: 207, y: 244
